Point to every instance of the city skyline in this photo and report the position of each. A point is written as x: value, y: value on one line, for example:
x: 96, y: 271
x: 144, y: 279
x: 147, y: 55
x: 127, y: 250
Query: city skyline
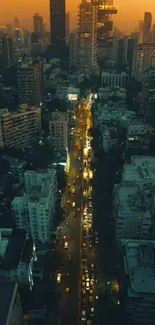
x: 126, y: 19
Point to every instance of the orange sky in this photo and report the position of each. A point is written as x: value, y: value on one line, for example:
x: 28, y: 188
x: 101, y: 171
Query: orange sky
x: 129, y: 11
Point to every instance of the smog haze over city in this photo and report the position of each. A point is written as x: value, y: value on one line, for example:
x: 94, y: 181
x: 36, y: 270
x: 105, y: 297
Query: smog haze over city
x: 129, y: 13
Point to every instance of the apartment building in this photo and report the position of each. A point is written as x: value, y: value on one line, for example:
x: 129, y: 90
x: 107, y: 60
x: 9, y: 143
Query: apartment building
x: 143, y: 59
x: 114, y: 79
x: 30, y: 82
x: 35, y: 210
x: 58, y: 130
x: 11, y: 308
x: 17, y: 251
x: 133, y: 205
x: 138, y: 281
x: 22, y: 129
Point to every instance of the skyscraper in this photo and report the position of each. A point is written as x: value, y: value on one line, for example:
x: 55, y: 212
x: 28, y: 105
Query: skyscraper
x: 73, y: 48
x: 87, y: 34
x: 30, y: 82
x: 57, y: 22
x: 16, y: 22
x: 147, y: 26
x: 67, y: 27
x: 38, y: 25
x: 7, y: 51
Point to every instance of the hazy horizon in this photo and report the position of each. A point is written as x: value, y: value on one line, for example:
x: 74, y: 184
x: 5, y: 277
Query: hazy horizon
x: 126, y: 20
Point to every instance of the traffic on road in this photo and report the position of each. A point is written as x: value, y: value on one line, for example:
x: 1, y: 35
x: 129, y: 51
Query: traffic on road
x: 76, y: 275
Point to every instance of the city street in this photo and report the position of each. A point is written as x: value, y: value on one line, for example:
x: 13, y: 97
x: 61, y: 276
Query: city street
x: 77, y: 271
x: 69, y: 259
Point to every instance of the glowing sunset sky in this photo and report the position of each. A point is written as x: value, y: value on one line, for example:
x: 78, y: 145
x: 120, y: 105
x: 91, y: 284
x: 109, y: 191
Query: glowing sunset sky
x: 129, y: 11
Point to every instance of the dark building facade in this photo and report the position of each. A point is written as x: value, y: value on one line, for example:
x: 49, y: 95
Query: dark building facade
x: 6, y: 44
x: 58, y: 22
x: 147, y: 26
x: 38, y: 25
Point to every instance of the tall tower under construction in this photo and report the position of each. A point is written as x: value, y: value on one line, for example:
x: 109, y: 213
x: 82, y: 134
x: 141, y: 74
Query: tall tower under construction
x: 106, y: 10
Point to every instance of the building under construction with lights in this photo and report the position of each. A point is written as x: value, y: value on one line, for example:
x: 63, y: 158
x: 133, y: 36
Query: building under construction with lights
x: 106, y: 10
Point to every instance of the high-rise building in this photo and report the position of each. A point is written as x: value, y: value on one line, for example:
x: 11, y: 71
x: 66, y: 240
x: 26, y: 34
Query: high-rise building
x: 11, y: 311
x: 147, y: 26
x: 7, y: 51
x: 73, y: 48
x: 30, y: 82
x: 38, y: 25
x: 104, y: 20
x: 143, y: 58
x: 21, y: 129
x: 18, y: 38
x: 141, y: 32
x: 58, y: 129
x: 35, y: 210
x: 87, y: 35
x: 123, y: 49
x: 16, y: 23
x: 153, y: 33
x: 9, y: 29
x: 67, y: 27
x: 57, y: 22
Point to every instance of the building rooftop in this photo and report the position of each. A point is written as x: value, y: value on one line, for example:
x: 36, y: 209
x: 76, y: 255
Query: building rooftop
x: 15, y: 163
x: 17, y: 248
x: 113, y: 112
x: 24, y: 108
x: 59, y: 116
x: 6, y: 292
x: 141, y: 169
x: 28, y: 63
x: 139, y: 265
